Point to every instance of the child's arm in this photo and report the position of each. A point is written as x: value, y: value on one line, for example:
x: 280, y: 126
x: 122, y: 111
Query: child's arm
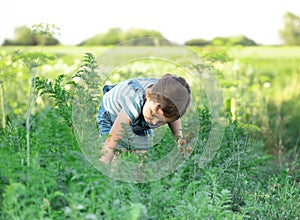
x: 114, y: 135
x: 175, y: 127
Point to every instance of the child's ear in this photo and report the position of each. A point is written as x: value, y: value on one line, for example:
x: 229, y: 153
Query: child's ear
x: 148, y: 95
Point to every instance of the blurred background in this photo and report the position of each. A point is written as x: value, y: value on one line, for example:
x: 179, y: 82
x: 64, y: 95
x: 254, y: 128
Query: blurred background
x: 107, y: 22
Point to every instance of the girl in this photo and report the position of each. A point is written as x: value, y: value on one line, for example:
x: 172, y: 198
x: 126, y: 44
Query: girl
x: 143, y: 104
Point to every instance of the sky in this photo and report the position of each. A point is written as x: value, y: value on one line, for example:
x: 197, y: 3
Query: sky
x: 177, y: 20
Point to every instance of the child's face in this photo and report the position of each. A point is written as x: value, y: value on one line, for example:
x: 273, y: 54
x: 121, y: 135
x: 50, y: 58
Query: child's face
x: 153, y: 114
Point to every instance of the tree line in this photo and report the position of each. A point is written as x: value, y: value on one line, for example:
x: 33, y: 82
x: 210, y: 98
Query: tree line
x: 290, y: 35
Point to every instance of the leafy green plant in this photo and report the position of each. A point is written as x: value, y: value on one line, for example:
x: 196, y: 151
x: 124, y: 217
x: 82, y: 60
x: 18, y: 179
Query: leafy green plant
x: 277, y: 198
x: 33, y: 61
x: 87, y: 89
x: 242, y: 181
x: 57, y: 91
x: 2, y: 110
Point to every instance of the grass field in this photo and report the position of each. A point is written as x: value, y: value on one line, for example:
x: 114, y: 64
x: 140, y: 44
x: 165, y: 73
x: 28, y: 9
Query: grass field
x: 254, y: 174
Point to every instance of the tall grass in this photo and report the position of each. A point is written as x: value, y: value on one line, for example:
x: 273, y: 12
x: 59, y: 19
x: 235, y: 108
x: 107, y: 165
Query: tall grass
x: 268, y: 95
x: 241, y: 182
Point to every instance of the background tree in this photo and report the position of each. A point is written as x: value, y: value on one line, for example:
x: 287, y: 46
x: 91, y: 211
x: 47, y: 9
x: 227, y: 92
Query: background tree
x: 241, y: 40
x: 290, y: 34
x: 197, y: 42
x: 22, y: 37
x: 223, y: 41
x: 136, y: 35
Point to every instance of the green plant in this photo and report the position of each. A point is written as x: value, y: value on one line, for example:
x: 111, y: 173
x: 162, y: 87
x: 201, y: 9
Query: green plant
x: 56, y: 90
x: 2, y: 110
x: 33, y: 61
x: 243, y: 181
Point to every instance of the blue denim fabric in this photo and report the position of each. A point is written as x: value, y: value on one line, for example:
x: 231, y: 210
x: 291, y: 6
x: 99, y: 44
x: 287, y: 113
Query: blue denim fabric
x: 139, y: 127
x: 105, y: 120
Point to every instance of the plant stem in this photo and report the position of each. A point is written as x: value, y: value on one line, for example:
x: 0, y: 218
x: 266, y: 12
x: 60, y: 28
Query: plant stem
x: 2, y: 110
x: 31, y: 101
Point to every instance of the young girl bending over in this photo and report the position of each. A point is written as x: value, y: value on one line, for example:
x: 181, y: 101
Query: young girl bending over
x: 143, y: 104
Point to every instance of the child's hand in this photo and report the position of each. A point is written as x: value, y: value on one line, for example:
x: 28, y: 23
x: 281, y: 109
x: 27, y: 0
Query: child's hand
x: 181, y: 142
x: 184, y: 150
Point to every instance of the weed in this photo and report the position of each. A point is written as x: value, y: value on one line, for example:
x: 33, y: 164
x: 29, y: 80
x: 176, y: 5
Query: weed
x: 242, y: 181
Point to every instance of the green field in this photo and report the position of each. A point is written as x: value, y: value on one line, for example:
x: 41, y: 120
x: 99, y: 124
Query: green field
x: 254, y: 173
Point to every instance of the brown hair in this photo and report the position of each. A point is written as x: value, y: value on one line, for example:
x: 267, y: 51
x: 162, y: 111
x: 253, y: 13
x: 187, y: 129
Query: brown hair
x: 173, y: 95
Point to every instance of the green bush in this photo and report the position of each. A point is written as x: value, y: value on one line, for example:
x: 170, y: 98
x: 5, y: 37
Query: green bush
x: 24, y: 38
x: 233, y: 41
x: 136, y: 37
x: 197, y: 42
x: 222, y: 41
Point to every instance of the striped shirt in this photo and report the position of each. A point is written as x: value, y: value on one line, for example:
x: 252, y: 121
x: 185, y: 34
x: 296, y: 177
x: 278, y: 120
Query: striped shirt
x: 128, y: 95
